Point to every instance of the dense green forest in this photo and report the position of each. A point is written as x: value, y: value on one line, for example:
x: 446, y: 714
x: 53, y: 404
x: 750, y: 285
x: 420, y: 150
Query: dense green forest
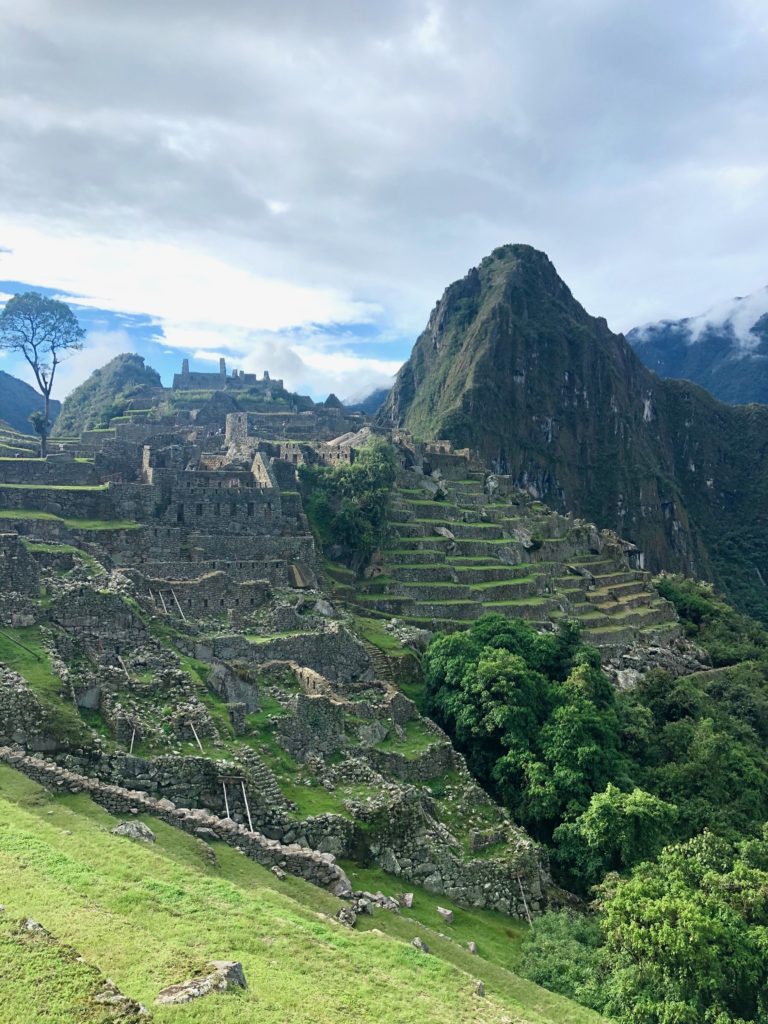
x: 652, y: 801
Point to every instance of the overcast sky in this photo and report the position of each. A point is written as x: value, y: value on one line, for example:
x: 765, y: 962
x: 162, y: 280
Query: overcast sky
x: 293, y: 184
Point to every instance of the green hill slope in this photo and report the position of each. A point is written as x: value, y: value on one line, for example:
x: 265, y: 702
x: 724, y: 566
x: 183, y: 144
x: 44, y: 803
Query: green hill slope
x: 149, y: 916
x: 106, y: 393
x: 511, y: 365
x: 18, y: 401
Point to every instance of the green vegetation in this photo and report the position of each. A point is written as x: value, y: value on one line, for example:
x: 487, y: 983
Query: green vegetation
x: 607, y: 777
x: 680, y: 940
x: 22, y: 650
x: 728, y: 636
x: 108, y: 392
x: 348, y: 504
x: 149, y: 916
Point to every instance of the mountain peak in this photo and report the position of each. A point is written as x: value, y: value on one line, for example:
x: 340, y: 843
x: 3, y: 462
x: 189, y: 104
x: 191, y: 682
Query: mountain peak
x: 513, y: 367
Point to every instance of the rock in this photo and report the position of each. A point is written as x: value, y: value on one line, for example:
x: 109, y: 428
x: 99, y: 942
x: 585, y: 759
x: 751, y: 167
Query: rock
x: 407, y: 900
x: 225, y: 974
x: 324, y: 608
x: 420, y: 944
x: 443, y: 531
x: 30, y: 925
x: 479, y: 988
x: 472, y: 947
x: 346, y: 916
x: 447, y: 915
x: 277, y: 872
x: 134, y: 830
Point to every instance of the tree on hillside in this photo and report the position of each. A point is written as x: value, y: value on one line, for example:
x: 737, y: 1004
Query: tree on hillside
x: 44, y: 331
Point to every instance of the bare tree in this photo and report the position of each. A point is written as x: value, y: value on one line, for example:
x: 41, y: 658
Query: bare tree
x: 44, y: 331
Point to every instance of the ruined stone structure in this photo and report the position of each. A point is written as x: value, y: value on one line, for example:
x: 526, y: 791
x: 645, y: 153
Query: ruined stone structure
x: 194, y: 381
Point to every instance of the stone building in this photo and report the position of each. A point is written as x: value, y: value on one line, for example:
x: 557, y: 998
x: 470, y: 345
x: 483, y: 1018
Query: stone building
x: 238, y: 380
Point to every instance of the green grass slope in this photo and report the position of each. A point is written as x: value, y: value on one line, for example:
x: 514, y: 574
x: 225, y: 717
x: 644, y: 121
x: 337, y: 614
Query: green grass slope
x: 148, y: 916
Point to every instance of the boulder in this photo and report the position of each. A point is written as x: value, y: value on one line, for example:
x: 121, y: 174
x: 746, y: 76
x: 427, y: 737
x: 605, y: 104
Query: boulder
x: 420, y: 944
x: 447, y: 915
x: 134, y: 830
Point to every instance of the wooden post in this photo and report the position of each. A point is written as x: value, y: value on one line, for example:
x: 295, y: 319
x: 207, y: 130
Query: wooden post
x: 181, y: 613
x: 226, y: 801
x: 197, y: 738
x: 133, y: 737
x: 247, y: 808
x: 162, y: 601
x: 525, y: 903
x: 122, y: 666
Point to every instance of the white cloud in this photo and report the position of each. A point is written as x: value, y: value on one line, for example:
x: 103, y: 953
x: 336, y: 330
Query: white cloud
x: 736, y: 315
x: 98, y: 348
x: 304, y: 163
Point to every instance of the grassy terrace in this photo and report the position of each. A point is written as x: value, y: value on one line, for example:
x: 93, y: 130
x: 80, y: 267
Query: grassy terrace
x: 149, y: 916
x: 55, y: 487
x: 73, y: 524
x: 22, y: 650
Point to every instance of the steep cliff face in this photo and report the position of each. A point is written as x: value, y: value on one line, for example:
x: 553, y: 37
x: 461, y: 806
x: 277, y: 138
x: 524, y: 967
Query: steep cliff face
x: 511, y: 365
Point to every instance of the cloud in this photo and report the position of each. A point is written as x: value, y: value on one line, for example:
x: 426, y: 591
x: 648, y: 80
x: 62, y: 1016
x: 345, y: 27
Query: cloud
x: 98, y: 348
x: 304, y: 165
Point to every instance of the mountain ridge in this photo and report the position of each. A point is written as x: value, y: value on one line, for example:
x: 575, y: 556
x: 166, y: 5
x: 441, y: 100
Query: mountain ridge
x: 724, y: 349
x: 18, y: 400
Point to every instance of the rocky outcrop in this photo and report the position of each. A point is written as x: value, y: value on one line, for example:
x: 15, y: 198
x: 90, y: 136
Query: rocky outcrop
x: 225, y: 974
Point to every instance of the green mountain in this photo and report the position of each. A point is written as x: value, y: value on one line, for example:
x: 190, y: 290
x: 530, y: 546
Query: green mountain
x: 512, y: 366
x: 725, y: 349
x: 18, y: 401
x: 106, y: 393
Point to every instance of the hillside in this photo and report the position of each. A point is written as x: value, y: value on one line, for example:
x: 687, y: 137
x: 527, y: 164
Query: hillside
x: 513, y: 367
x: 106, y: 393
x: 149, y: 915
x: 18, y: 401
x: 725, y: 350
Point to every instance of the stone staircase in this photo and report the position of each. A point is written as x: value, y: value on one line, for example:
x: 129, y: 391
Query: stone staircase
x: 463, y: 552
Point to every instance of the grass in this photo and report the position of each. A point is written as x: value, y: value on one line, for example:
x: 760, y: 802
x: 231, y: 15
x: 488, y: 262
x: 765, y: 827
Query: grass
x: 416, y: 740
x: 149, y: 916
x: 55, y: 487
x: 72, y: 524
x: 22, y: 650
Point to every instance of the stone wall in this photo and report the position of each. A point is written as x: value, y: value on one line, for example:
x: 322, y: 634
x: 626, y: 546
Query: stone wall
x: 312, y: 865
x: 68, y: 503
x: 57, y: 469
x: 19, y: 572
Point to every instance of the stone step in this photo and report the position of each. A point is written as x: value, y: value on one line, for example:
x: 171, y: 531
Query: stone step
x: 437, y: 573
x: 509, y: 590
x: 475, y: 573
x: 423, y: 591
x: 413, y: 556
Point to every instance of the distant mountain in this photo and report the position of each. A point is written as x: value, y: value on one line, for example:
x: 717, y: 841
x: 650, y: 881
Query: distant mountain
x: 370, y: 404
x: 106, y: 393
x: 513, y: 367
x: 725, y: 349
x: 18, y: 401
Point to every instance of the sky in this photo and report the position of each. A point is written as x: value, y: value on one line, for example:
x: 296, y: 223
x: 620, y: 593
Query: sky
x: 293, y: 185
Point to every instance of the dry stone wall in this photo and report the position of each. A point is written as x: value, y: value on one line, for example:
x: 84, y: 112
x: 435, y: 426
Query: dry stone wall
x: 312, y: 865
